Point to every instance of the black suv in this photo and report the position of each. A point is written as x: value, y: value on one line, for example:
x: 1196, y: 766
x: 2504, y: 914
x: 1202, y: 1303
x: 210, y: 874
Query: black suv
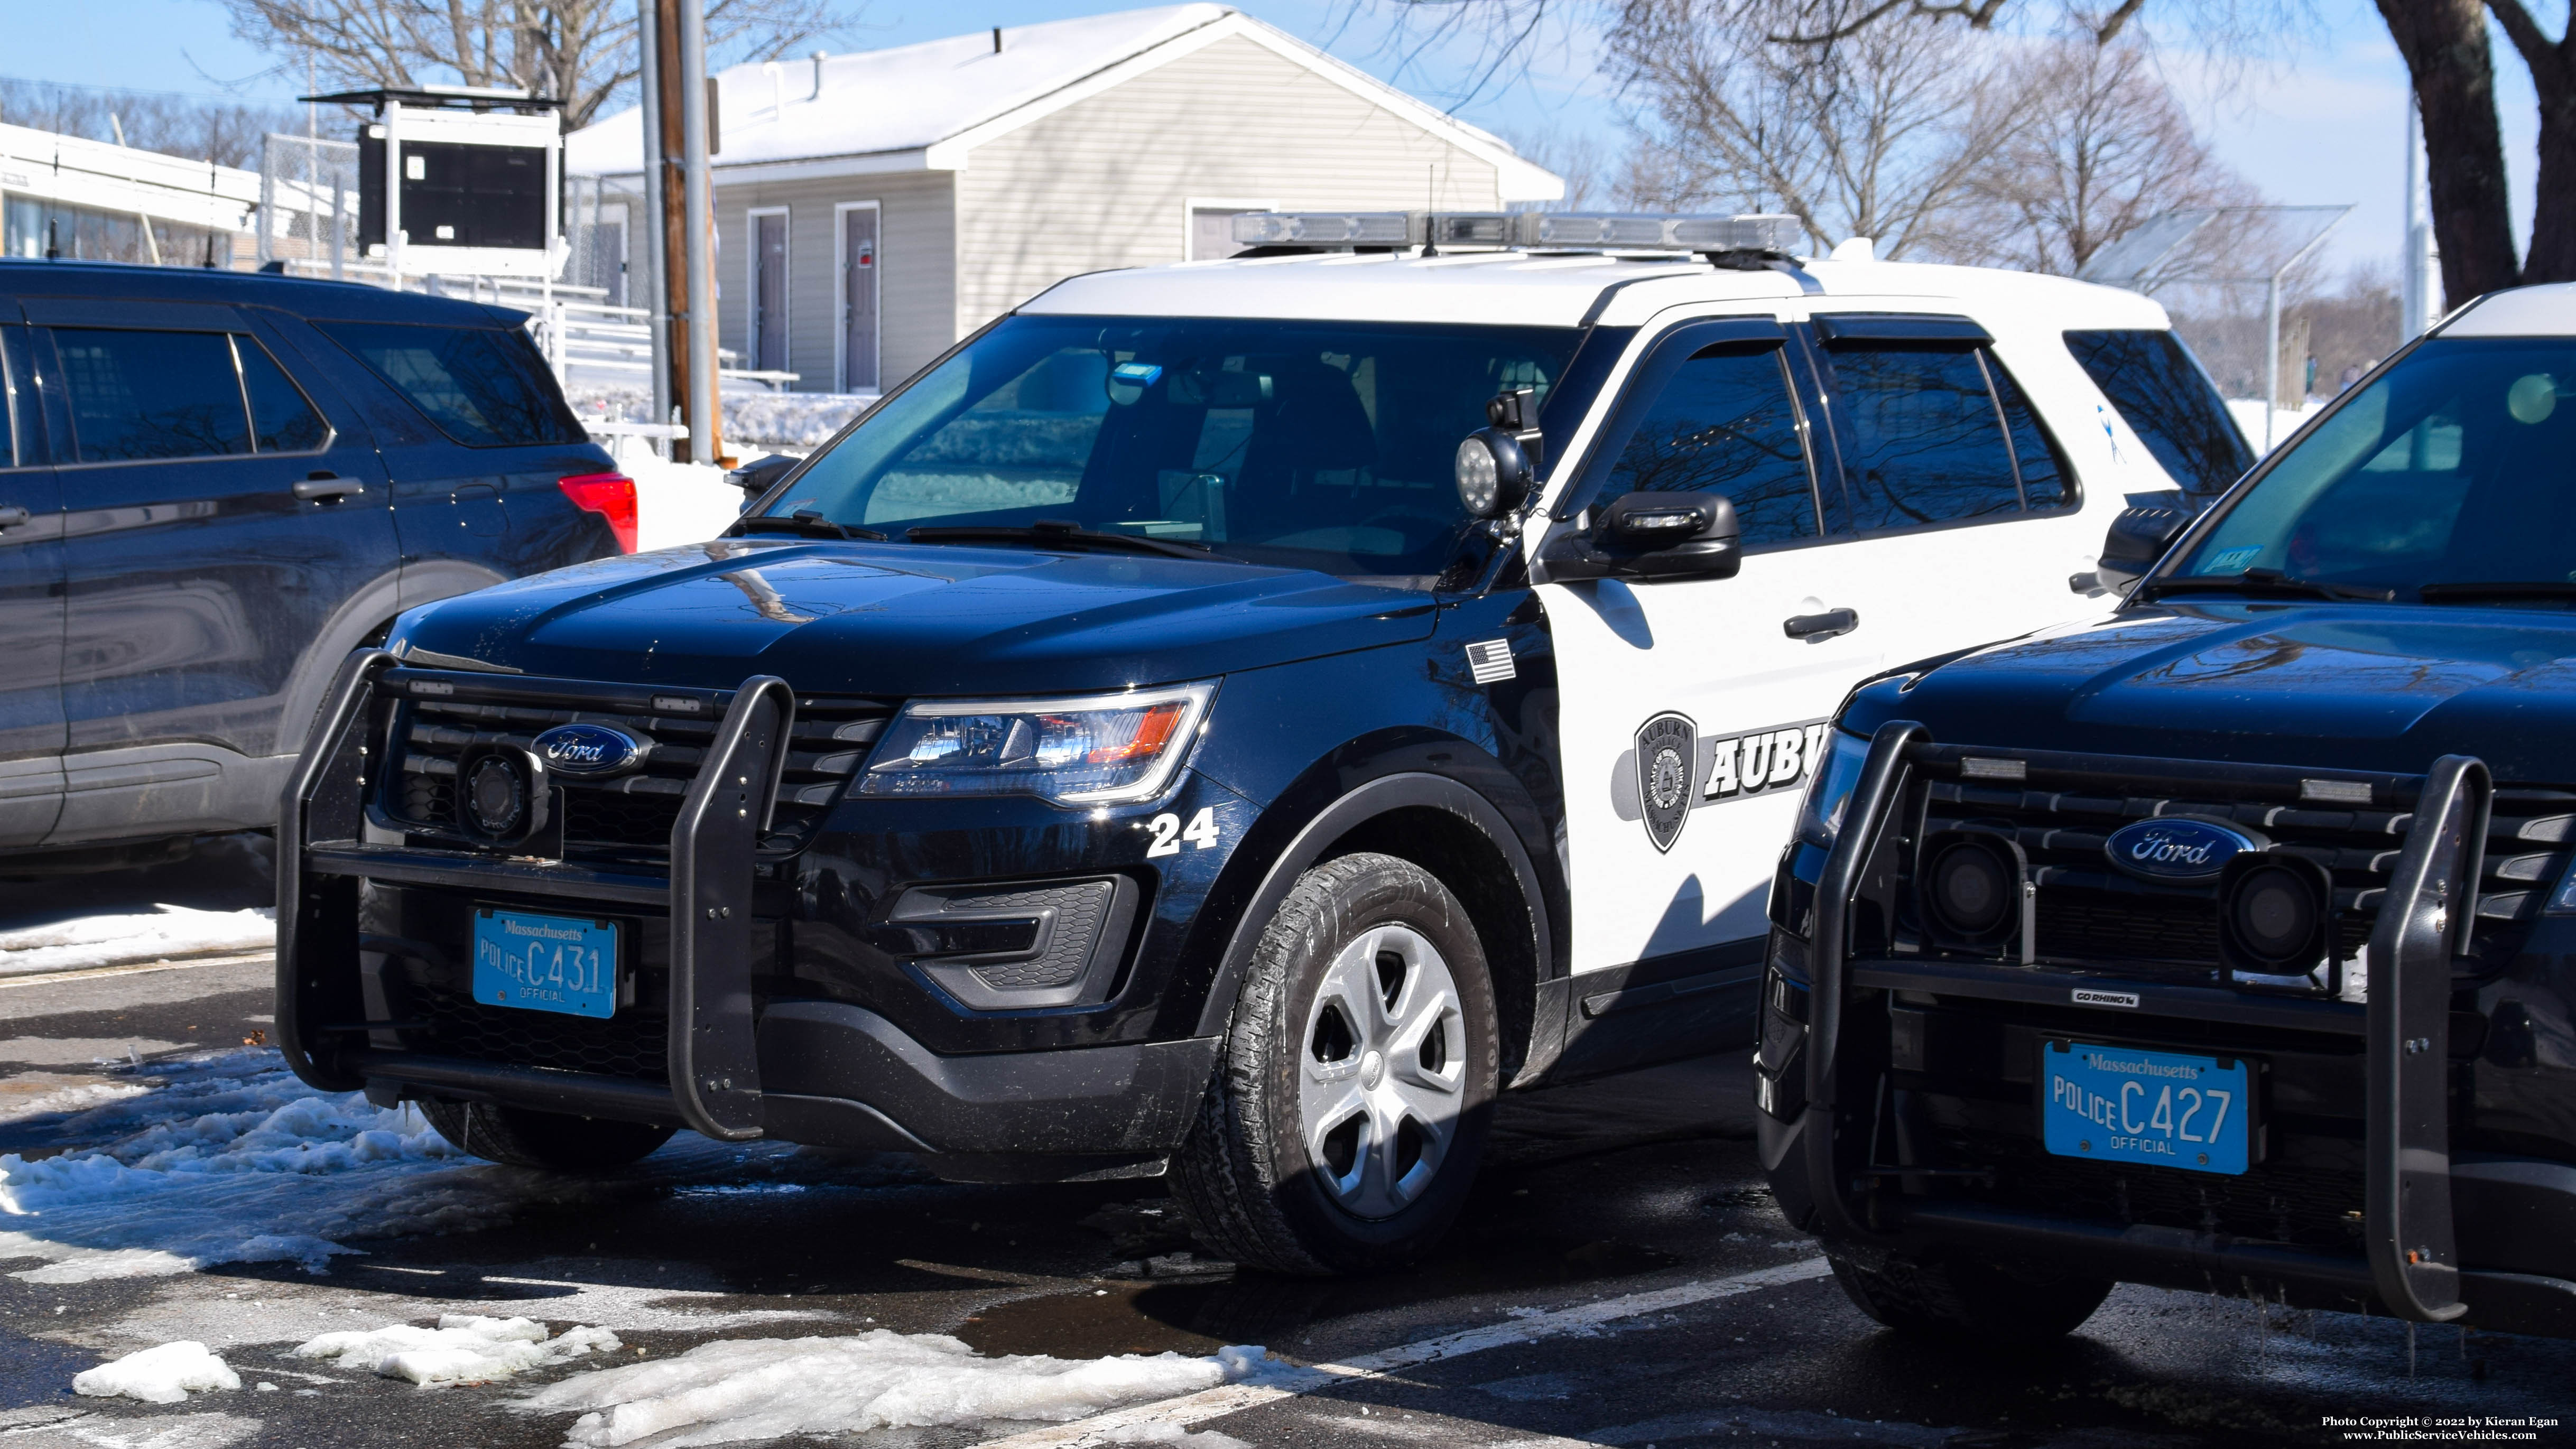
x: 2224, y: 942
x: 213, y: 485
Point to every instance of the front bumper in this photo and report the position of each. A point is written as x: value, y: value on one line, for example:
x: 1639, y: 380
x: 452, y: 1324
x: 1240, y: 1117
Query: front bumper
x: 1895, y: 1121
x: 372, y: 980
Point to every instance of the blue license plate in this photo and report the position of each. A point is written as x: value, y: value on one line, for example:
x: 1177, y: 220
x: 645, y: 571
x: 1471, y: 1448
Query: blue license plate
x: 2121, y: 1104
x: 545, y: 963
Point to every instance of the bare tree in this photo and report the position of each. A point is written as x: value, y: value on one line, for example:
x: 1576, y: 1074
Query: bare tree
x: 2104, y: 148
x: 1875, y: 134
x: 581, y: 52
x: 222, y: 132
x: 2552, y: 63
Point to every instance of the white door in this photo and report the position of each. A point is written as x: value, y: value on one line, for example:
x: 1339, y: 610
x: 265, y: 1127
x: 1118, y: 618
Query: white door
x: 1689, y: 709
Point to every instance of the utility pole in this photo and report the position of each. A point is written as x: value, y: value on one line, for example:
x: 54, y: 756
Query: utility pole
x: 656, y: 223
x: 706, y: 441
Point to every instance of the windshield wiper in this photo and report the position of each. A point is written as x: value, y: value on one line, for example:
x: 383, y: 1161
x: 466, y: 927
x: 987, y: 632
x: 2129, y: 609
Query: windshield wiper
x: 2456, y: 593
x: 1055, y: 533
x: 2265, y: 581
x: 810, y: 524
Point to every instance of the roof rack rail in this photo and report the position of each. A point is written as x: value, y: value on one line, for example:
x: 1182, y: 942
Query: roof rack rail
x: 1765, y: 237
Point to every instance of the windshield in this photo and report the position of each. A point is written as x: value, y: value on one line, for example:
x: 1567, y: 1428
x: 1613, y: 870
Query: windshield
x: 1322, y: 445
x: 2456, y: 467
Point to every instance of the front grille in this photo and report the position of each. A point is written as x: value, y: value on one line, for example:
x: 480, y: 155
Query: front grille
x: 2088, y: 914
x: 630, y: 1044
x: 628, y: 817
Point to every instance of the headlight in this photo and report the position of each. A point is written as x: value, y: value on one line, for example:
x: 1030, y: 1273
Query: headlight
x: 1096, y: 750
x: 1829, y: 788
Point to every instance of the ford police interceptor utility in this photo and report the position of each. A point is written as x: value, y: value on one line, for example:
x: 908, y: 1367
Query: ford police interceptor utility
x: 1237, y: 715
x: 2224, y: 942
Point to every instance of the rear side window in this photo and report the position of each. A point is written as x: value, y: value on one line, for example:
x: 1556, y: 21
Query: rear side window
x: 1922, y: 441
x: 2168, y: 401
x: 483, y: 387
x: 143, y: 395
x: 2046, y: 480
x: 138, y: 395
x: 1723, y: 424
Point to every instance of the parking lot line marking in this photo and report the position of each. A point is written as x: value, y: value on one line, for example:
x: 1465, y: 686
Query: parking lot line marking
x: 91, y: 973
x: 1292, y: 1382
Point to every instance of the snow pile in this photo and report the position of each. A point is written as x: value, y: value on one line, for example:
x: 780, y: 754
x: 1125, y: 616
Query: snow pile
x: 147, y: 936
x: 234, y: 1161
x: 759, y: 421
x: 162, y: 1375
x: 770, y: 1388
x: 463, y: 1347
x: 677, y: 503
x: 30, y: 1095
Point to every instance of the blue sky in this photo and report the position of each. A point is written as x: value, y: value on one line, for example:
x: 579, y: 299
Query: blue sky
x: 2324, y: 122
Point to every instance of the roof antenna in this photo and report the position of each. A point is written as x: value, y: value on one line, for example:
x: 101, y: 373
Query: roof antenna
x: 997, y: 40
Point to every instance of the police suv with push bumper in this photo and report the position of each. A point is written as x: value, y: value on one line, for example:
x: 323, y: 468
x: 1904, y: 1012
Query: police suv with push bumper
x: 2223, y: 942
x: 1236, y: 716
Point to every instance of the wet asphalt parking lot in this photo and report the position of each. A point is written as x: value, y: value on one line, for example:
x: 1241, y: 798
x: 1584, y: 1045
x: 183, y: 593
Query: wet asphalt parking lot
x: 1621, y: 1278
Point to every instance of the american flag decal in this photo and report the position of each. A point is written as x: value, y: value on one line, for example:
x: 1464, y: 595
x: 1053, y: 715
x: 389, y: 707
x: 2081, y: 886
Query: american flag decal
x: 1490, y: 660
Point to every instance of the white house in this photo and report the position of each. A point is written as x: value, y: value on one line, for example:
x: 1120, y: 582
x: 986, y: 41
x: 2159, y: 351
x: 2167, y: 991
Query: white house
x: 872, y: 208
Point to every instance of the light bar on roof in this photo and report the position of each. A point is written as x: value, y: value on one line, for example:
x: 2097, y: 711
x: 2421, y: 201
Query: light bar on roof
x: 1328, y: 228
x: 1618, y: 231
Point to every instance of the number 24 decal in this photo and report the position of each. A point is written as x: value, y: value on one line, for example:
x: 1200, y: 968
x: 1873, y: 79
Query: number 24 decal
x: 1168, y: 832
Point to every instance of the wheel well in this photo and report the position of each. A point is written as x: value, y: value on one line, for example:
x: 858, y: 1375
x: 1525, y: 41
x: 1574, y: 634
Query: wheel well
x: 1480, y: 875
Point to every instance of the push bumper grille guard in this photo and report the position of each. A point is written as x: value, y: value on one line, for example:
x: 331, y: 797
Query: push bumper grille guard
x: 714, y: 1064
x: 2411, y: 1260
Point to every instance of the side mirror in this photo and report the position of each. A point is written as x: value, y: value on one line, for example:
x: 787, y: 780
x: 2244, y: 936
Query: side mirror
x: 1650, y: 536
x: 754, y: 477
x: 2138, y: 538
x: 1498, y: 465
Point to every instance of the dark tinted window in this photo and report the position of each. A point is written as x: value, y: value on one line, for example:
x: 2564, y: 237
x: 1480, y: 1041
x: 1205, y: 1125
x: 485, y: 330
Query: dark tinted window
x: 17, y: 402
x: 2166, y: 399
x: 1723, y: 424
x: 151, y: 394
x: 1923, y: 443
x: 483, y: 387
x: 281, y: 418
x: 2046, y: 480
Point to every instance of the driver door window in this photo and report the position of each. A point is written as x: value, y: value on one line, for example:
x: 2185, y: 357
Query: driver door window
x: 1723, y: 424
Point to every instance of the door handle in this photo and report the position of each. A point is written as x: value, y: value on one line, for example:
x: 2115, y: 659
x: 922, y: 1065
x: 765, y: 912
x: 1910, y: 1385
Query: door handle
x: 327, y: 488
x: 11, y: 515
x: 1821, y: 626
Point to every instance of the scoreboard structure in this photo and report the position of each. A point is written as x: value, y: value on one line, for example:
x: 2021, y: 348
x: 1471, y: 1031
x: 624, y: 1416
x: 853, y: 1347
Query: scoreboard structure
x: 460, y: 181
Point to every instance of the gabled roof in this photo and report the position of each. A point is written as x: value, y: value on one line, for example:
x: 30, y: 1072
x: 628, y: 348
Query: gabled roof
x: 926, y: 106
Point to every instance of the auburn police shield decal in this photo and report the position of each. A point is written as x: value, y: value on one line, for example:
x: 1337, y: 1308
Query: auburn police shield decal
x: 1667, y: 746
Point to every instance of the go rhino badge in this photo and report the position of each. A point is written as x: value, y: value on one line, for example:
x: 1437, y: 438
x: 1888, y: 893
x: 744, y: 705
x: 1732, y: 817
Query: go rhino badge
x: 1667, y: 747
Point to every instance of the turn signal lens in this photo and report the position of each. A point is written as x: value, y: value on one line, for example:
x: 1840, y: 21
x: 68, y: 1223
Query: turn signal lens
x: 611, y: 496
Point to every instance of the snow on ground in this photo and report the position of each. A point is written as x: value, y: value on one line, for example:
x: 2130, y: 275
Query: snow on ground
x: 160, y: 1375
x: 755, y: 421
x: 463, y: 1348
x: 42, y: 1094
x: 734, y: 1390
x: 678, y: 503
x: 232, y: 1161
x: 111, y: 940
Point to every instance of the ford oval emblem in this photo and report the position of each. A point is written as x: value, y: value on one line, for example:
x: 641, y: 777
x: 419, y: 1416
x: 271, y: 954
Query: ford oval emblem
x: 2176, y: 849
x: 583, y: 749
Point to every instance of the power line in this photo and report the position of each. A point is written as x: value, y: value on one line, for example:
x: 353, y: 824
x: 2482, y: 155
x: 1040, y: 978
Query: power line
x: 129, y: 91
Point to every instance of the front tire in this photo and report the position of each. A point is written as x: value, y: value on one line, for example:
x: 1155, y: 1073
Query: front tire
x: 522, y: 1137
x: 1349, y: 1110
x: 1967, y: 1298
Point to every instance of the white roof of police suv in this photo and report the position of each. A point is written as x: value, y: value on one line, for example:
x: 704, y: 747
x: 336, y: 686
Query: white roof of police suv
x: 1568, y: 289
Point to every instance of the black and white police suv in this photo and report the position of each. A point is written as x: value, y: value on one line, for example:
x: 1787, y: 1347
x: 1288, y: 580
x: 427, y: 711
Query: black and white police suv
x: 1237, y: 716
x: 2224, y: 942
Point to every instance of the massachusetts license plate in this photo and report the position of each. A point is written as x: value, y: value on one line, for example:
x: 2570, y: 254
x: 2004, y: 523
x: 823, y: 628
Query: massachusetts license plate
x: 545, y: 963
x: 2121, y: 1104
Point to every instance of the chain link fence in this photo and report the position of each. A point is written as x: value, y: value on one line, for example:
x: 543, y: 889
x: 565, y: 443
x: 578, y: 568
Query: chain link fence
x: 308, y: 204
